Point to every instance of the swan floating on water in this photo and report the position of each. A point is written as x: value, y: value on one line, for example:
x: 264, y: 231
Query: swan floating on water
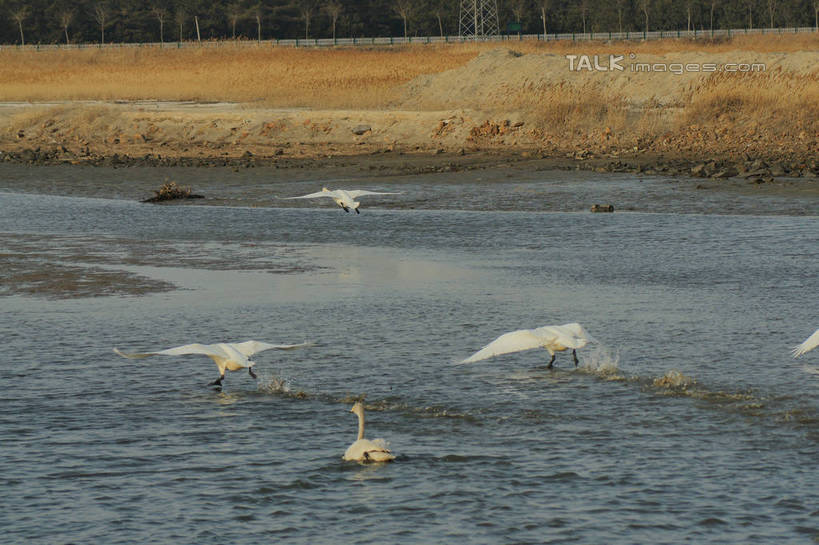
x: 809, y: 344
x: 366, y: 450
x: 227, y: 356
x: 554, y: 338
x: 343, y: 197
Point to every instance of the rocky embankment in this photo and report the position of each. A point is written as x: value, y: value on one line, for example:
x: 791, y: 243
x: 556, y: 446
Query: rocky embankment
x: 395, y: 161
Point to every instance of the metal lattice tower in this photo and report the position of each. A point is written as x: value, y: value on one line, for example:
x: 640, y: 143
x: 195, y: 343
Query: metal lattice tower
x: 479, y: 18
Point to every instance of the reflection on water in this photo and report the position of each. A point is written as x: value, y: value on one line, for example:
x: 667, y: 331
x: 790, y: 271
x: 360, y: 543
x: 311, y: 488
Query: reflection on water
x: 688, y: 421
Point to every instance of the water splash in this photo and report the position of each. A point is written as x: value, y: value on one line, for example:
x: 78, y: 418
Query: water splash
x: 602, y: 362
x: 674, y: 381
x: 271, y: 384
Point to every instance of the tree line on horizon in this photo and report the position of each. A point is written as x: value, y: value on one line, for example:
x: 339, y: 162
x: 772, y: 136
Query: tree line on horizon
x: 142, y: 21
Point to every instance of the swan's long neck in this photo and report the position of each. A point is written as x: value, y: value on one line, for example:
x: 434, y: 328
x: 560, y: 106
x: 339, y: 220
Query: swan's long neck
x: 361, y: 425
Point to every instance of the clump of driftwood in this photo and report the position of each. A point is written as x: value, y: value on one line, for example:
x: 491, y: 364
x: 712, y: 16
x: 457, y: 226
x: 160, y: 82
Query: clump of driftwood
x: 170, y: 191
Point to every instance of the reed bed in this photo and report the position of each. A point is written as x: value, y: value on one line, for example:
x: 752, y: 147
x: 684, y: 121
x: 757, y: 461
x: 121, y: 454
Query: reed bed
x: 338, y: 78
x: 571, y: 109
x: 779, y: 101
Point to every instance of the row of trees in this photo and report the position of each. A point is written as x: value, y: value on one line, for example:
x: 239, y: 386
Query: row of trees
x: 94, y: 21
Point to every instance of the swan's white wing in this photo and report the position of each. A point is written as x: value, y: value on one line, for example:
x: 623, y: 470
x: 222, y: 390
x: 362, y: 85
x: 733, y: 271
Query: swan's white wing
x: 562, y: 335
x: 361, y: 192
x: 579, y: 331
x: 206, y: 349
x: 809, y: 344
x: 516, y: 341
x: 314, y: 195
x: 248, y: 348
x: 365, y: 450
x: 134, y: 355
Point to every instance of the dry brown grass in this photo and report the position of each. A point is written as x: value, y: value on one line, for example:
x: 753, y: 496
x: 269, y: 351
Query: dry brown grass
x: 777, y: 100
x: 573, y: 109
x: 773, y: 110
x: 357, y: 78
x: 335, y: 78
x: 759, y: 43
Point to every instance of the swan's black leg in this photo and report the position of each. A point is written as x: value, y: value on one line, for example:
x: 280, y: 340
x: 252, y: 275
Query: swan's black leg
x: 346, y: 209
x: 551, y: 361
x: 356, y: 211
x: 218, y: 381
x: 574, y: 355
x: 252, y: 374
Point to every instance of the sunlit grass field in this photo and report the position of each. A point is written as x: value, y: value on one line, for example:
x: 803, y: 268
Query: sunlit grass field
x: 360, y: 78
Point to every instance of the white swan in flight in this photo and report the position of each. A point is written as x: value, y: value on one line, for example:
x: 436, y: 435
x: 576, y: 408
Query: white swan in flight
x: 366, y: 450
x: 554, y: 338
x: 227, y: 356
x: 343, y: 197
x: 809, y: 344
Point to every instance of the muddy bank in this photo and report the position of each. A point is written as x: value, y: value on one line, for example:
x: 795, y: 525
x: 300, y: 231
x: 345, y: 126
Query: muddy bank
x: 391, y: 142
x: 391, y: 161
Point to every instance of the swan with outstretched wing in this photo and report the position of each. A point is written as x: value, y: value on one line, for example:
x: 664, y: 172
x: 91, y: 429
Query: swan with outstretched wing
x: 554, y: 338
x: 345, y: 198
x: 227, y: 356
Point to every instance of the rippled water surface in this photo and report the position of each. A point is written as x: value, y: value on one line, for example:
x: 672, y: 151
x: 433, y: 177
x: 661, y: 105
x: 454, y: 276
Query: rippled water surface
x: 688, y: 421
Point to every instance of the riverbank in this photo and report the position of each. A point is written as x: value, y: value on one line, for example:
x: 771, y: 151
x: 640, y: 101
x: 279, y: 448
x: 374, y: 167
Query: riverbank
x: 390, y: 143
x: 446, y: 108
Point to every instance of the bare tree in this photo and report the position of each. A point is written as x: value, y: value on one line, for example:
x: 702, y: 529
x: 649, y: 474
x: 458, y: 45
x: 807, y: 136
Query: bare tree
x: 772, y: 11
x: 518, y: 7
x: 689, y: 6
x: 816, y: 13
x: 161, y: 14
x: 257, y: 15
x: 65, y: 20
x: 584, y: 11
x: 124, y: 14
x: 750, y: 14
x: 179, y: 18
x: 101, y: 16
x: 713, y: 5
x: 645, y: 5
x: 333, y: 9
x: 620, y: 14
x: 439, y: 10
x: 404, y: 10
x: 19, y: 15
x: 306, y: 8
x: 234, y: 13
x: 544, y: 7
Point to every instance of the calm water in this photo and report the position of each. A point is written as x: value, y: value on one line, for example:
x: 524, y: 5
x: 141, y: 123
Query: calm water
x: 688, y: 422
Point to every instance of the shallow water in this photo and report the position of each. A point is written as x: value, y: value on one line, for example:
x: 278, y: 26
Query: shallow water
x: 689, y: 421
